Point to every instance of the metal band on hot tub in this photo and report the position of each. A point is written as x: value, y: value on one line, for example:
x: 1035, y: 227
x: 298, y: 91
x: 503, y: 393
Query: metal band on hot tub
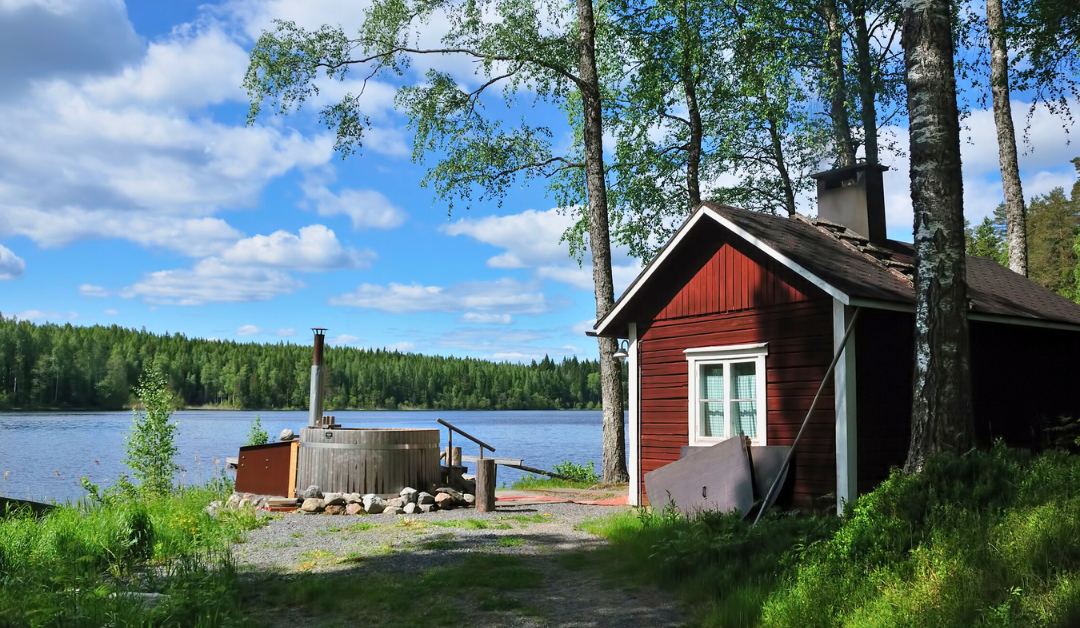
x: 359, y: 446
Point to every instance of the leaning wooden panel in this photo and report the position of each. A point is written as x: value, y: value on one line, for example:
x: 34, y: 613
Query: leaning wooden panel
x: 714, y: 478
x: 368, y: 460
x: 265, y: 469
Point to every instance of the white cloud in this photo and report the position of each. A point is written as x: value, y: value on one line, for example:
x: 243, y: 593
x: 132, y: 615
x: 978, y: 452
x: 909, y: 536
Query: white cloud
x: 368, y: 209
x: 212, y: 281
x: 40, y: 316
x: 486, y: 319
x: 504, y: 295
x: 401, y: 347
x: 579, y: 329
x: 11, y: 266
x: 286, y: 332
x: 531, y: 239
x: 343, y: 339
x: 191, y: 68
x: 88, y: 290
x: 248, y: 330
x: 316, y: 248
x: 111, y: 312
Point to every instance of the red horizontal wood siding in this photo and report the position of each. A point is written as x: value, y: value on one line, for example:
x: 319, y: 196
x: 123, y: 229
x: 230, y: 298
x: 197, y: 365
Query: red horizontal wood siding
x: 798, y: 327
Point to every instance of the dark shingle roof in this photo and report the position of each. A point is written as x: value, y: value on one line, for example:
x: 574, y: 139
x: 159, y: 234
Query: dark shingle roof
x: 883, y: 271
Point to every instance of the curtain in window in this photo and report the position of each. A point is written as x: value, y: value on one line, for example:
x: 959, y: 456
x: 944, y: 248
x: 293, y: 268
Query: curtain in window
x: 744, y: 399
x: 712, y: 411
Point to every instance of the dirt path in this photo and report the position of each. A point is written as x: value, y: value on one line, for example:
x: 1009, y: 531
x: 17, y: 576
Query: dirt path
x: 526, y: 565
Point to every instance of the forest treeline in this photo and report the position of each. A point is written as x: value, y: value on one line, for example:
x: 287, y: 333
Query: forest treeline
x: 53, y: 366
x: 1053, y: 239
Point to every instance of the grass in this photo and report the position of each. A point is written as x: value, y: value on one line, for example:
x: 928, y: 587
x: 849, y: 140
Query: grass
x: 534, y: 482
x: 73, y: 565
x: 988, y: 539
x: 472, y: 524
x: 485, y: 581
x: 510, y: 541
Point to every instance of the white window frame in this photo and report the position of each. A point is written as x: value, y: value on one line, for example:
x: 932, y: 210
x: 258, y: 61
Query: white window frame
x: 707, y: 356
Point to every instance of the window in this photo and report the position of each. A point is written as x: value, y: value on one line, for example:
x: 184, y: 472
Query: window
x: 727, y: 393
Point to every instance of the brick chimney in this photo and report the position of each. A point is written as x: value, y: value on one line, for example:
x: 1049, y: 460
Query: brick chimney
x: 854, y: 197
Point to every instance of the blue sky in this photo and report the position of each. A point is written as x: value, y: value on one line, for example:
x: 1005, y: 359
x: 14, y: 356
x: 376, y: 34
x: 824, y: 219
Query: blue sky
x: 131, y: 192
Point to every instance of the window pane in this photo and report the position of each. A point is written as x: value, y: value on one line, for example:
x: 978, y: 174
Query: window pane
x: 712, y: 382
x: 744, y: 417
x: 712, y: 419
x: 743, y: 381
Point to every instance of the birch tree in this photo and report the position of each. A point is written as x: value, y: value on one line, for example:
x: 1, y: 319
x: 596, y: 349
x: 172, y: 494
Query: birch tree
x: 941, y: 417
x: 1015, y: 214
x: 519, y: 47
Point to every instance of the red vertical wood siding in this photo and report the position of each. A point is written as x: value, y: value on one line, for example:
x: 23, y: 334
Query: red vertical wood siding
x: 738, y: 298
x: 731, y: 281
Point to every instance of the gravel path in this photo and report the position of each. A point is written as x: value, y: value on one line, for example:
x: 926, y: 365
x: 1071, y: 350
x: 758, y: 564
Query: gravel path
x: 543, y: 534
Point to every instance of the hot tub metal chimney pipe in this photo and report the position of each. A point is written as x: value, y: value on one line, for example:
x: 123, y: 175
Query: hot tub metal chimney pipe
x: 315, y: 407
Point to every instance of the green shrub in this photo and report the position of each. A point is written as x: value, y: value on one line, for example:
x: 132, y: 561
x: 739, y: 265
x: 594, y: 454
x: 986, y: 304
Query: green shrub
x: 256, y: 434
x: 151, y: 443
x: 579, y: 472
x: 984, y: 539
x: 73, y: 565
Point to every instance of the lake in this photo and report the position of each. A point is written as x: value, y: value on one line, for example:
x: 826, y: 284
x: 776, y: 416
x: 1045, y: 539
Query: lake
x: 43, y: 454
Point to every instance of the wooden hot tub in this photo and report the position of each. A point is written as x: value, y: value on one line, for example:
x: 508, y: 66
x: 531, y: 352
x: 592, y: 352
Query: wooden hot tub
x: 381, y: 461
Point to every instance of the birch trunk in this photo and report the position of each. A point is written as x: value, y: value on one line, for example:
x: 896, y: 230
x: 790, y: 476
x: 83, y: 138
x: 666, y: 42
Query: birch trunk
x: 867, y: 93
x: 834, y: 69
x: 613, y: 465
x: 1015, y: 213
x: 941, y: 416
x: 693, y: 114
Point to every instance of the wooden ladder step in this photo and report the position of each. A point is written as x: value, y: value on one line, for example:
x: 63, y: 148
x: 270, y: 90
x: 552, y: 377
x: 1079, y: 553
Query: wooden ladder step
x: 513, y: 462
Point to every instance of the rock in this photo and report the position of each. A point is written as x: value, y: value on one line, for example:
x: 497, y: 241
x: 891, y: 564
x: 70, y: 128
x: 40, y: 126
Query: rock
x: 425, y: 498
x: 312, y: 504
x: 354, y: 498
x: 469, y: 499
x: 245, y: 504
x: 213, y: 508
x: 392, y: 510
x: 408, y: 495
x: 232, y: 502
x: 410, y: 509
x: 354, y: 509
x: 426, y: 507
x: 146, y: 600
x: 373, y: 504
x: 444, y: 501
x: 397, y: 502
x: 335, y: 509
x: 286, y: 434
x: 312, y: 491
x: 333, y: 499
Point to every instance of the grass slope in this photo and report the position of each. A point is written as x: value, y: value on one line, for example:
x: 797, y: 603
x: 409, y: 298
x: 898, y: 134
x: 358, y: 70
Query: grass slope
x: 985, y: 539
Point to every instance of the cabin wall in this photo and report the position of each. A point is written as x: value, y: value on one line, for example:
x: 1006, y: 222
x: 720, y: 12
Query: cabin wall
x: 884, y: 352
x: 740, y: 296
x: 1022, y: 379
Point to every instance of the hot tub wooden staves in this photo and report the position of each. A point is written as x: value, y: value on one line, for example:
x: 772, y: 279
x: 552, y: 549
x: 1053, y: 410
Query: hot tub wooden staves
x: 380, y: 461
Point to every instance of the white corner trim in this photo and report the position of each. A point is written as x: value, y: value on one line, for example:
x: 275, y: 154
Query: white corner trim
x: 847, y: 435
x: 601, y: 325
x: 778, y: 256
x: 757, y: 348
x: 634, y: 417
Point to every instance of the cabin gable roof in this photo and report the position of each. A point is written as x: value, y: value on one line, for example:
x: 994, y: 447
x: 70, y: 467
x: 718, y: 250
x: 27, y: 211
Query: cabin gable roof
x: 840, y: 263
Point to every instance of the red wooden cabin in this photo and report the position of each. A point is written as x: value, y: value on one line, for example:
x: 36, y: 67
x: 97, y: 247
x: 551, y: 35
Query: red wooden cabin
x: 733, y: 325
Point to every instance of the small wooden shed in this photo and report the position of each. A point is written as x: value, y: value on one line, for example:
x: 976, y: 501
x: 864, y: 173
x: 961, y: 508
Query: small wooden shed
x: 732, y: 327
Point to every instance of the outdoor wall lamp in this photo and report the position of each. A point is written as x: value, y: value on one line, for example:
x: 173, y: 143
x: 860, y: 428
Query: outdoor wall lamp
x: 623, y: 350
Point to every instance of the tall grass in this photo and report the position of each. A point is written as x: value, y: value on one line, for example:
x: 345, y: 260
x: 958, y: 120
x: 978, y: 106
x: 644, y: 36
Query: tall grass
x: 986, y: 539
x: 77, y: 565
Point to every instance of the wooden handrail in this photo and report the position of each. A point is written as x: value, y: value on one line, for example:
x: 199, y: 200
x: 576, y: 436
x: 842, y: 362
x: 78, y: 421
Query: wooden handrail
x: 453, y: 429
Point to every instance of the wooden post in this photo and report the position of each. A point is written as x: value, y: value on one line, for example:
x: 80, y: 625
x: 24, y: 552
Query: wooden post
x: 485, y: 485
x: 455, y: 456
